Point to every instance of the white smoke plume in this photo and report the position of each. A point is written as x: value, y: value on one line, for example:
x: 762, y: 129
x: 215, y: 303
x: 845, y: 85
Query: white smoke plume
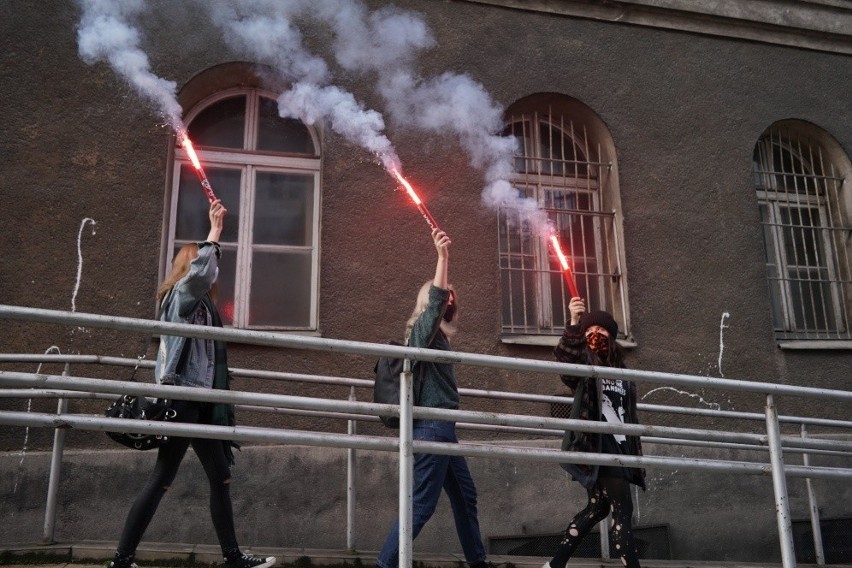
x: 385, y: 43
x: 456, y: 104
x: 266, y: 31
x: 106, y: 34
x: 312, y: 103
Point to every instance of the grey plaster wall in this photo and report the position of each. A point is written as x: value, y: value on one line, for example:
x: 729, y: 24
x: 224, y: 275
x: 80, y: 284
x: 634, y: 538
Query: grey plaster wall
x: 684, y: 112
x: 295, y: 497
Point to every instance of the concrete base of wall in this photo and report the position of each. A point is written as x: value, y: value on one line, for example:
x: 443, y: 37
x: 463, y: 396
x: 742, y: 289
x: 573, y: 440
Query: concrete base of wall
x: 294, y: 497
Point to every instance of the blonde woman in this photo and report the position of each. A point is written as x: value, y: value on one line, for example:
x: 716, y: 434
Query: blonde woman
x: 431, y: 324
x: 186, y: 296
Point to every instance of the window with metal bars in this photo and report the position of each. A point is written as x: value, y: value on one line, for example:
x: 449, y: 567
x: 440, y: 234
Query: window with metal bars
x: 806, y: 232
x: 265, y: 169
x: 564, y: 163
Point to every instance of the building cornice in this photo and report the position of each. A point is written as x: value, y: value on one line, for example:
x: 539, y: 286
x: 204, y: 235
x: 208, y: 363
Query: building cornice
x: 822, y: 25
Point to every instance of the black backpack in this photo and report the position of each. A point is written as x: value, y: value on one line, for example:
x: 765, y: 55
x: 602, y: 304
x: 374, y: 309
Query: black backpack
x: 386, y: 389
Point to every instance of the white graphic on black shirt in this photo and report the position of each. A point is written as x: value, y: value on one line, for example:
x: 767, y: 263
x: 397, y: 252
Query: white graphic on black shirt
x: 612, y: 407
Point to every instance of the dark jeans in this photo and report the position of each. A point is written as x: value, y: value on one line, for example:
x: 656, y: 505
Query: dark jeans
x: 169, y: 457
x: 610, y: 494
x: 432, y: 473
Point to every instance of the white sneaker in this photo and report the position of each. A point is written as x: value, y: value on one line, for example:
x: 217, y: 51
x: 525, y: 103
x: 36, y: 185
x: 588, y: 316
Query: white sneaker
x: 250, y: 561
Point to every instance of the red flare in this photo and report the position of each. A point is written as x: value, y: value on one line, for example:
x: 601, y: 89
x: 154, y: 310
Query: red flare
x: 566, y: 268
x: 415, y: 198
x: 199, y: 171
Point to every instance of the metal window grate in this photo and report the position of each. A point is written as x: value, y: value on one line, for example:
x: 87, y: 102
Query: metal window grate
x: 806, y: 237
x: 558, y: 167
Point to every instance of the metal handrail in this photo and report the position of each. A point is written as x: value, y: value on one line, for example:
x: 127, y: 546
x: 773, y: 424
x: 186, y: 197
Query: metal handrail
x: 353, y: 410
x: 373, y: 409
x: 384, y: 443
x: 466, y: 392
x: 277, y: 339
x: 85, y: 395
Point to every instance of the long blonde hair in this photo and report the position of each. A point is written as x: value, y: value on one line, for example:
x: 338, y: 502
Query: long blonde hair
x: 180, y: 268
x: 448, y: 327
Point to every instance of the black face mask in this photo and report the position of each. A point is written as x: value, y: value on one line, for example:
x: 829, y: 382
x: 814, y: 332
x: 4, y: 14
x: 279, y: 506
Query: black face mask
x: 449, y: 312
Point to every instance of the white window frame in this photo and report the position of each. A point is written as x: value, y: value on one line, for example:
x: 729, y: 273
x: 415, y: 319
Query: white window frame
x: 248, y: 162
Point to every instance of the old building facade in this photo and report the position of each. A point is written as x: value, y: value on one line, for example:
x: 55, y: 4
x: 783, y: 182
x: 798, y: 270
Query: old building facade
x: 696, y: 165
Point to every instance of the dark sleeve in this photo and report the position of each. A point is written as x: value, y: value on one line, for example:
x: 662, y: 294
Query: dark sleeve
x: 429, y: 321
x: 570, y: 349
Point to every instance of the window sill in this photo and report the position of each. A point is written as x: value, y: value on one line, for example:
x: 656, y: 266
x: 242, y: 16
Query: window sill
x: 821, y: 344
x: 551, y: 340
x: 305, y: 332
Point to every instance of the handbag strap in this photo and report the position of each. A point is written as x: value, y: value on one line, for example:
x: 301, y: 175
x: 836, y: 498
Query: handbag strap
x: 146, y: 343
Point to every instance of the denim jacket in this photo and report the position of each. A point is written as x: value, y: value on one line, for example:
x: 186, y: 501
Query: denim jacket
x: 182, y: 304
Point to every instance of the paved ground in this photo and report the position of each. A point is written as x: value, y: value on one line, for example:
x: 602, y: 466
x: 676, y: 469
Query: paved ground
x: 159, y: 555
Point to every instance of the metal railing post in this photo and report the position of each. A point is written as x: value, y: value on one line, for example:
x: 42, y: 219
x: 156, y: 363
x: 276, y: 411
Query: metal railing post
x: 49, y: 531
x: 406, y: 464
x: 351, y: 429
x: 603, y: 526
x: 779, y: 484
x: 813, y: 508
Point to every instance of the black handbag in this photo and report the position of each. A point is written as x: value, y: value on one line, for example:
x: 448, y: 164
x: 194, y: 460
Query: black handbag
x: 133, y: 407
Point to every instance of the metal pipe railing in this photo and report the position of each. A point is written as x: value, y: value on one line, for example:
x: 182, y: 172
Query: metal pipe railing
x: 779, y: 484
x: 466, y: 392
x: 351, y: 430
x: 373, y: 409
x: 406, y: 464
x: 55, y: 471
x: 813, y: 509
x: 351, y: 417
x: 383, y: 443
x: 272, y: 339
x: 773, y: 440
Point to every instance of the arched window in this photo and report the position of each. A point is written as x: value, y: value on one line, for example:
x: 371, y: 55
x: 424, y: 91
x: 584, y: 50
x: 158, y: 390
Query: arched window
x: 566, y: 162
x: 805, y: 213
x: 265, y: 169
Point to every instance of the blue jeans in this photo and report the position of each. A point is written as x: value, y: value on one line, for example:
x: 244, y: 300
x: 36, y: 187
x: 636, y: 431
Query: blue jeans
x: 431, y: 474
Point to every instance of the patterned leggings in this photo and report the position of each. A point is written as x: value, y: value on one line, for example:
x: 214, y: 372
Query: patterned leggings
x: 610, y: 494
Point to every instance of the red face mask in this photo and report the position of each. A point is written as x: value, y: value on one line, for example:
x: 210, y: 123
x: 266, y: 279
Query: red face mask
x: 598, y: 342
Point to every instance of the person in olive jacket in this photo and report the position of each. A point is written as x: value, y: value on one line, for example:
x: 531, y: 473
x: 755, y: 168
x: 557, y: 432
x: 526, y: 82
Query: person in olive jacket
x: 590, y: 339
x: 430, y: 325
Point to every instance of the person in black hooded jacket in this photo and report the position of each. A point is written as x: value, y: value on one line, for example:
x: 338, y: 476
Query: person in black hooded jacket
x: 590, y: 339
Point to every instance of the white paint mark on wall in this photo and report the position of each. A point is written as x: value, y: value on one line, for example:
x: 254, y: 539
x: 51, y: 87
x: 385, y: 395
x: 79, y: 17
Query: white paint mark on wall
x: 80, y: 260
x: 722, y: 328
x: 713, y: 405
x: 55, y: 349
